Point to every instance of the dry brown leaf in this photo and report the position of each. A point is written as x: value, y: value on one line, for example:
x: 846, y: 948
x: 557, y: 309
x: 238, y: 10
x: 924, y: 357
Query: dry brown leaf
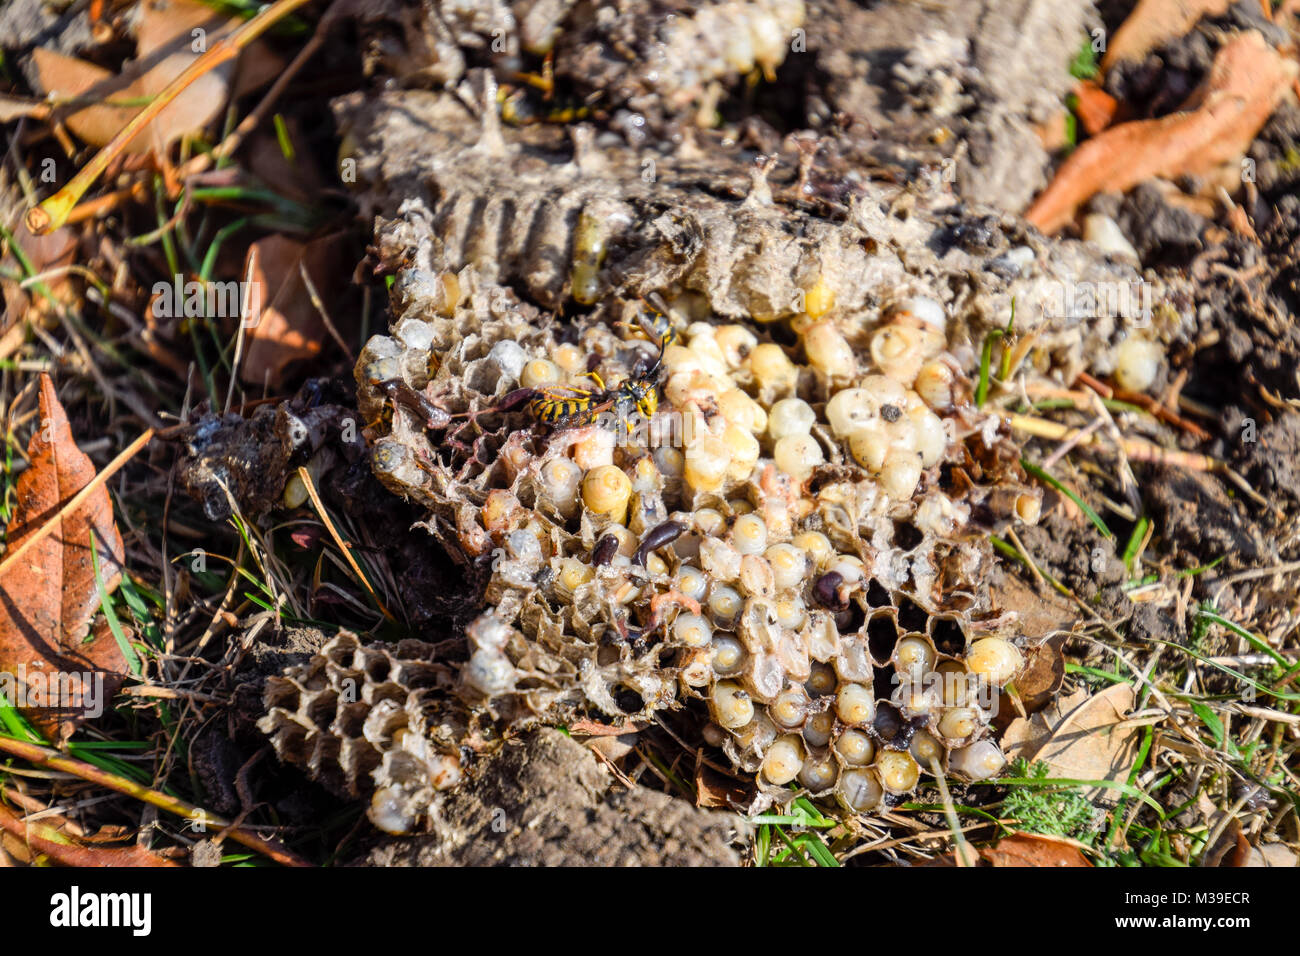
x: 1273, y: 854
x: 1154, y: 23
x: 1033, y: 849
x: 713, y: 789
x: 290, y: 328
x: 1043, y: 674
x: 17, y: 107
x: 594, y: 728
x: 1246, y: 83
x: 58, y: 248
x: 298, y: 178
x: 1024, y: 849
x: 1081, y: 742
x: 47, y: 601
x: 1025, y: 736
x: 166, y: 45
x: 1231, y: 849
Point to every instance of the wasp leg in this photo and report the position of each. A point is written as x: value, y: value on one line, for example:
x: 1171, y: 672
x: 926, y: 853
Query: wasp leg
x: 510, y: 402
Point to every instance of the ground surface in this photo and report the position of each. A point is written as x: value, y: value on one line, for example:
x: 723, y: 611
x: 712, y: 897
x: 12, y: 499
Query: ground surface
x: 1167, y: 629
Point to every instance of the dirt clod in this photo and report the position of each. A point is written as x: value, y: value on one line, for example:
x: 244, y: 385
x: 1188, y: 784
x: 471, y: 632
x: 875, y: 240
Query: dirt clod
x: 546, y: 801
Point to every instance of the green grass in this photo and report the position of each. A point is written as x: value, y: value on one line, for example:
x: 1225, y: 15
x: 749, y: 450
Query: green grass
x: 1134, y: 543
x: 791, y: 839
x: 986, y: 357
x: 1037, y: 808
x: 1044, y: 476
x: 1086, y: 63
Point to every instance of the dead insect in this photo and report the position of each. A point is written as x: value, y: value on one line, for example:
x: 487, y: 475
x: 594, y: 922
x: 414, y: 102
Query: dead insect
x: 603, y: 552
x: 826, y: 591
x: 399, y: 393
x: 657, y: 537
x: 566, y: 405
x: 652, y: 322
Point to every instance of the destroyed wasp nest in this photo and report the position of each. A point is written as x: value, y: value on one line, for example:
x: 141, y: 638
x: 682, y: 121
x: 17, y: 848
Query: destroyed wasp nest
x: 793, y: 549
x: 773, y: 543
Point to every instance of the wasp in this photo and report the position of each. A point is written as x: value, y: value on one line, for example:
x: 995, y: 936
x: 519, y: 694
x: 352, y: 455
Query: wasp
x: 652, y: 323
x: 519, y: 108
x: 567, y: 405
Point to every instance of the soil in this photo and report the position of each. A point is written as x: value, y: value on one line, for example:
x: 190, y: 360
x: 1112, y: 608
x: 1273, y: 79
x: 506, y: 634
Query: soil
x: 546, y: 801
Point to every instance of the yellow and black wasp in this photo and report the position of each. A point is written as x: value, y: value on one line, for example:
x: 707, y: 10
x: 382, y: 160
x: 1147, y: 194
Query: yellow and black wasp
x: 566, y: 405
x: 652, y: 322
x: 537, y: 101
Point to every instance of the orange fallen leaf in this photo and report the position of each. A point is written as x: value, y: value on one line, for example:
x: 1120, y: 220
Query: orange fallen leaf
x: 44, y: 252
x: 1154, y: 23
x: 1024, y: 849
x: 1246, y: 83
x: 49, y: 598
x: 289, y: 327
x: 1033, y: 849
x: 1095, y: 107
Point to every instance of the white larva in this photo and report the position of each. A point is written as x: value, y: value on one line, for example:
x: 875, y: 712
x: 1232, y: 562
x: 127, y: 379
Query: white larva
x: 898, y: 772
x: 993, y: 659
x: 789, y: 565
x: 855, y: 704
x: 728, y: 655
x: 1137, y: 363
x: 692, y: 630
x: 790, y: 416
x: 798, y: 455
x: 979, y: 761
x: 855, y: 748
x: 732, y: 705
x: 749, y: 534
x: 783, y: 760
x: 859, y: 790
x: 818, y: 773
x: 789, y: 708
x: 725, y: 604
x: 850, y: 410
x: 818, y: 728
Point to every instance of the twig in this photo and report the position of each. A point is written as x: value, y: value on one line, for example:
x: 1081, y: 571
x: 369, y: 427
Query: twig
x: 324, y: 313
x: 338, y: 540
x: 1065, y: 447
x: 964, y: 854
x: 243, y: 324
x: 48, y: 757
x: 250, y: 122
x: 1136, y: 450
x: 54, y: 211
x: 48, y: 841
